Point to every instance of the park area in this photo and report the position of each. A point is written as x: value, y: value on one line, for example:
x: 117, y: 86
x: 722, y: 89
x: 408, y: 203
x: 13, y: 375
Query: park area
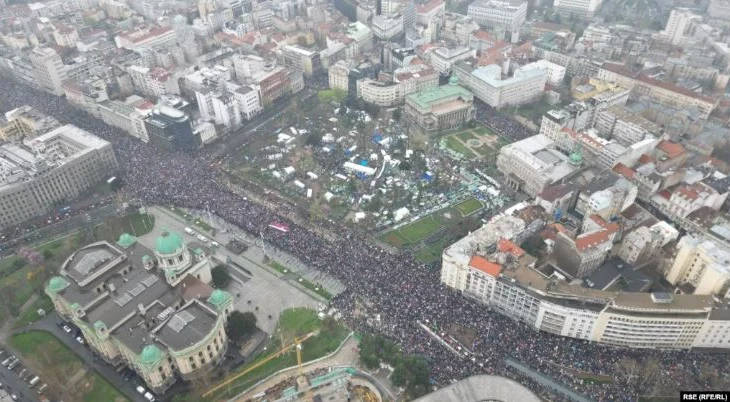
x: 59, y: 367
x: 23, y: 275
x: 434, y: 230
x: 473, y: 144
x: 294, y: 324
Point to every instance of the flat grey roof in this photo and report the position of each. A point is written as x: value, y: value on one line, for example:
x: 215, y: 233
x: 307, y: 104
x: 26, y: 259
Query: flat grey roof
x: 482, y: 388
x: 187, y: 326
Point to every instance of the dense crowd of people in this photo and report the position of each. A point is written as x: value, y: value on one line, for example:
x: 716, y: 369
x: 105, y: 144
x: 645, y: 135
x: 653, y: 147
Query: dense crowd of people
x: 386, y: 293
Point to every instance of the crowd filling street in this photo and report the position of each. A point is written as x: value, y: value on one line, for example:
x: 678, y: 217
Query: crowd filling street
x: 386, y: 293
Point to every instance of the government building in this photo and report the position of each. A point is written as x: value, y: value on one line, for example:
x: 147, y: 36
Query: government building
x: 150, y: 310
x: 446, y: 107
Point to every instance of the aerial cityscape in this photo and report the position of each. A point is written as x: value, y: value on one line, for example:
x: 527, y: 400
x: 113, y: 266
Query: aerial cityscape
x: 364, y: 200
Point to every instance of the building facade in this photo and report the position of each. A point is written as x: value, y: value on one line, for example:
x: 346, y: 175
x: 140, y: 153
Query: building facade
x: 152, y: 311
x: 440, y: 108
x: 53, y: 168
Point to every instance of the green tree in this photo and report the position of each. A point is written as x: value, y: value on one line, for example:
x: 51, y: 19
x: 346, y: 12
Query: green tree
x: 221, y: 276
x: 241, y: 325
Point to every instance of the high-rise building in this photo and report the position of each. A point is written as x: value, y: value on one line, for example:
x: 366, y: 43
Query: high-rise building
x: 680, y: 25
x: 701, y: 266
x: 49, y: 169
x: 305, y: 61
x: 170, y: 128
x: 49, y: 70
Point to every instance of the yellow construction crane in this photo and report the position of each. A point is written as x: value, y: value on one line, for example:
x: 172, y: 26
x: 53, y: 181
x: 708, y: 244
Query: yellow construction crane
x: 297, y: 343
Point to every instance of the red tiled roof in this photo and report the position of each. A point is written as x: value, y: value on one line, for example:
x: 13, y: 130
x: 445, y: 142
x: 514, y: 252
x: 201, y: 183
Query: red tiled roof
x: 426, y: 7
x: 672, y: 149
x: 507, y: 246
x: 666, y: 194
x: 688, y: 192
x: 611, y: 227
x: 645, y: 158
x: 590, y: 240
x: 486, y: 266
x: 624, y: 170
x: 484, y: 35
x: 674, y: 88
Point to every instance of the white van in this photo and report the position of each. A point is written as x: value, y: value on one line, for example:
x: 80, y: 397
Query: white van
x: 141, y: 389
x: 189, y: 231
x: 149, y: 396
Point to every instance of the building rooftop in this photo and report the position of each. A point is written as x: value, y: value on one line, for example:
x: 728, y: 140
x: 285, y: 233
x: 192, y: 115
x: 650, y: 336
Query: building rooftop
x: 616, y: 274
x: 482, y: 388
x: 426, y: 98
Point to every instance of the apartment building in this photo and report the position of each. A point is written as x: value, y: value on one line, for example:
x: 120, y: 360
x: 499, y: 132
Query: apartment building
x: 507, y: 280
x: 26, y: 122
x: 663, y: 92
x: 579, y: 8
x: 579, y: 257
x: 124, y: 116
x: 305, y: 61
x: 49, y: 70
x: 508, y: 15
x: 378, y: 92
x: 52, y: 168
x: 150, y: 310
x: 701, y: 266
x: 680, y: 26
x: 533, y: 164
x: 625, y: 126
x: 145, y: 37
x: 155, y: 81
x: 525, y: 86
x: 555, y: 72
x: 443, y: 58
x: 338, y: 75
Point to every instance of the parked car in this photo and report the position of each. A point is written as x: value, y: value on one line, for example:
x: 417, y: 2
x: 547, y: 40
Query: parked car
x: 42, y: 388
x: 66, y: 329
x: 80, y: 340
x: 149, y: 396
x: 14, y: 397
x: 141, y: 389
x: 14, y: 364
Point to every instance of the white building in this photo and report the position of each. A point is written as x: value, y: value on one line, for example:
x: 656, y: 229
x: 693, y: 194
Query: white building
x: 53, y: 168
x: 140, y: 38
x: 524, y: 86
x: 533, y: 164
x: 507, y: 282
x: 582, y: 8
x: 507, y: 15
x: 443, y: 58
x: 703, y: 264
x: 387, y: 27
x: 377, y: 92
x: 338, y: 75
x: 555, y: 72
x: 124, y: 116
x: 221, y: 100
x: 154, y: 81
x: 49, y: 70
x: 680, y: 26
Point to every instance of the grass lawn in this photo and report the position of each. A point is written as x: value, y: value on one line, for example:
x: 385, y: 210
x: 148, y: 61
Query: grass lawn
x: 57, y: 364
x: 190, y: 218
x: 469, y: 206
x: 30, y: 315
x: 302, y: 281
x: 465, y: 135
x: 394, y: 238
x: 483, y: 132
x: 420, y: 229
x: 135, y: 224
x: 457, y: 146
x: 292, y: 323
x: 432, y: 253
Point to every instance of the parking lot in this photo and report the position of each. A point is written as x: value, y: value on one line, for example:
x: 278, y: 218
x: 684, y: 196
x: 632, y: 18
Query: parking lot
x: 18, y: 383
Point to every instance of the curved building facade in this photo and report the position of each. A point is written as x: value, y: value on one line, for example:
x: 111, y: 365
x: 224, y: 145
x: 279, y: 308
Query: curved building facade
x: 151, y: 310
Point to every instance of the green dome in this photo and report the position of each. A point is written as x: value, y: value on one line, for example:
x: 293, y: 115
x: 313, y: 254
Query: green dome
x: 98, y: 325
x: 576, y: 158
x: 57, y: 284
x: 75, y: 306
x: 454, y: 80
x: 151, y: 354
x: 126, y: 240
x: 168, y: 242
x: 218, y: 297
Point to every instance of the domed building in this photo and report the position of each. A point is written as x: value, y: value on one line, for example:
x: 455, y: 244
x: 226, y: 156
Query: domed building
x: 150, y: 310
